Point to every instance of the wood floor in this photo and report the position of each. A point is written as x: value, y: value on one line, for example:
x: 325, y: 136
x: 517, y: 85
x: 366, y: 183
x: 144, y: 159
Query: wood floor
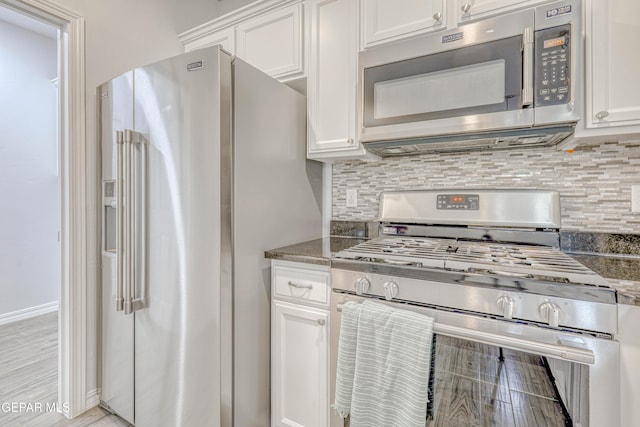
x: 29, y: 376
x: 473, y: 387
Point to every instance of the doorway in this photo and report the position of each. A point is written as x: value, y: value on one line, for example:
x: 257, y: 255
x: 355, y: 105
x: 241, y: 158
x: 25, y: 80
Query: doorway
x: 74, y: 191
x: 30, y: 221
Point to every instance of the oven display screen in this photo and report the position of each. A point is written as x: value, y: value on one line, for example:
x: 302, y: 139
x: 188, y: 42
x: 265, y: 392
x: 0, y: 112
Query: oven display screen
x: 458, y: 201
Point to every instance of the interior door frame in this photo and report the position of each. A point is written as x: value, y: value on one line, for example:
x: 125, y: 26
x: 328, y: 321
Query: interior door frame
x: 75, y: 227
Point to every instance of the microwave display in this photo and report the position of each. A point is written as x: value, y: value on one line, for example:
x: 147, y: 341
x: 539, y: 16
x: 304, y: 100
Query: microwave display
x: 553, y: 66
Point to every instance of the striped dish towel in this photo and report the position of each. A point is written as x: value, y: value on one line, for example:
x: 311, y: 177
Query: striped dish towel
x: 345, y: 368
x: 390, y: 366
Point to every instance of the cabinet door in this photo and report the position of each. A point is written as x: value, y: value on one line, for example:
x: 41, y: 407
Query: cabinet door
x: 299, y: 363
x: 467, y: 10
x: 331, y: 81
x: 613, y: 65
x: 388, y: 20
x: 273, y: 42
x: 224, y: 37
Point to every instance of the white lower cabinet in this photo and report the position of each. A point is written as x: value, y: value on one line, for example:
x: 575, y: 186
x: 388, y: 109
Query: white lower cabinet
x: 299, y: 345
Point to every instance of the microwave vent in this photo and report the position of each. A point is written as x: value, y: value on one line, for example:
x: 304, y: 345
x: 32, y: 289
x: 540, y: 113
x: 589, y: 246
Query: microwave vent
x: 521, y: 138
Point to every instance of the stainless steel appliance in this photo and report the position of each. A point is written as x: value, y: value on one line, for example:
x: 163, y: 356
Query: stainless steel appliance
x: 203, y: 162
x: 485, y: 265
x: 514, y: 80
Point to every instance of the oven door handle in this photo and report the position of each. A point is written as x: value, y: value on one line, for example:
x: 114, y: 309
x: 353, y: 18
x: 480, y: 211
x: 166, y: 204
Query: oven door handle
x: 572, y: 354
x: 565, y: 352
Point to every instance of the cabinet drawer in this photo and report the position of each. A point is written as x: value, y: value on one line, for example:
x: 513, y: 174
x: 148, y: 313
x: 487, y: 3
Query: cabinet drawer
x: 302, y: 284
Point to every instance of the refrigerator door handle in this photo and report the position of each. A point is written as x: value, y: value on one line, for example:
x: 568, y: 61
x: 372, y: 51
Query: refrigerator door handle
x: 136, y: 217
x: 128, y: 222
x: 119, y: 220
x: 141, y: 142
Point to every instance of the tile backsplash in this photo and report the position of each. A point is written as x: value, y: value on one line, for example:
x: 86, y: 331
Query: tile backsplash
x: 594, y: 181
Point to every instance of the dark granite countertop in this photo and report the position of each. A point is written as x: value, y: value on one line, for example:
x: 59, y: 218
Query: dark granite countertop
x: 318, y: 251
x: 622, y: 272
x: 621, y: 268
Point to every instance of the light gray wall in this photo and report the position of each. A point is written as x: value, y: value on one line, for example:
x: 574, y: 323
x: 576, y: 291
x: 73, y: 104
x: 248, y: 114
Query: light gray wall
x: 29, y: 189
x: 594, y: 182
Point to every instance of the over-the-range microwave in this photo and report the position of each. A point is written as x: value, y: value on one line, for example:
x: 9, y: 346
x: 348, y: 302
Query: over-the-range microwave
x: 513, y: 80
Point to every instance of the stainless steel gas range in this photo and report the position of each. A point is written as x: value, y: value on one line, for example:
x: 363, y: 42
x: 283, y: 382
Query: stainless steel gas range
x: 486, y: 265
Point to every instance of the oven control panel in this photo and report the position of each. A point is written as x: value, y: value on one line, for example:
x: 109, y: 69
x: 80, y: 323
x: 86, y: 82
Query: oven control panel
x: 458, y: 201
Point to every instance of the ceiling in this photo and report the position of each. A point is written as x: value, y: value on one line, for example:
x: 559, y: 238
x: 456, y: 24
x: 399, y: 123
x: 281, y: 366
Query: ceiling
x: 28, y: 23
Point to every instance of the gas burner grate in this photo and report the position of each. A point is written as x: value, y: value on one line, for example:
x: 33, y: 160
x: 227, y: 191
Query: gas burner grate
x: 515, y: 260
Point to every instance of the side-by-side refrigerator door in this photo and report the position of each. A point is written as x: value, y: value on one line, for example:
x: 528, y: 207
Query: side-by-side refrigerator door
x: 115, y: 100
x: 178, y: 329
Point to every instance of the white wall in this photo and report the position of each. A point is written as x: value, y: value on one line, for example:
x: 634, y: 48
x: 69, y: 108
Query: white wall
x: 29, y: 190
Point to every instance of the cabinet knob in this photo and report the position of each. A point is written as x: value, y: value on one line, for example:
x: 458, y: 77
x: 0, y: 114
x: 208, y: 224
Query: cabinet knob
x: 321, y: 322
x: 466, y: 7
x: 601, y: 115
x: 437, y: 16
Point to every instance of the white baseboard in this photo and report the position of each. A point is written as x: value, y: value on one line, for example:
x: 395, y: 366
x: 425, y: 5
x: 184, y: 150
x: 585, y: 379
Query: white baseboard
x: 93, y: 398
x: 26, y: 313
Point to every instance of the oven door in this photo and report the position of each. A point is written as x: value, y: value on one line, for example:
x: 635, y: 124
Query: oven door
x: 467, y: 367
x: 475, y: 78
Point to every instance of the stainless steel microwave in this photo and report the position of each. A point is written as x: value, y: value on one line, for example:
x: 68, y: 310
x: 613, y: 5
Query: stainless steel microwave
x: 508, y: 81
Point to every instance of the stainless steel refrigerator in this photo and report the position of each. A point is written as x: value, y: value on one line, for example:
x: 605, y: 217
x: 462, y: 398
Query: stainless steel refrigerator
x: 204, y: 168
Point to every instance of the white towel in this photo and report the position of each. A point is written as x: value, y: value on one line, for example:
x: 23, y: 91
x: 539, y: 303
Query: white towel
x: 390, y: 365
x: 345, y: 368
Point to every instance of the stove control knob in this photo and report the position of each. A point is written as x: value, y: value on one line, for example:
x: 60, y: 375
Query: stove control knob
x: 362, y: 285
x: 505, y: 305
x: 390, y: 290
x: 550, y: 313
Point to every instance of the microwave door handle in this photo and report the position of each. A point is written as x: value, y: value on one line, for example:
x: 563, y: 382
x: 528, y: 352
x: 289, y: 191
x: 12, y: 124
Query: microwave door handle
x: 527, y: 66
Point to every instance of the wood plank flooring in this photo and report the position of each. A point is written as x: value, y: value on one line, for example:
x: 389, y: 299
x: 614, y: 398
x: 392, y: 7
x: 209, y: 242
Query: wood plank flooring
x: 473, y: 388
x: 29, y: 376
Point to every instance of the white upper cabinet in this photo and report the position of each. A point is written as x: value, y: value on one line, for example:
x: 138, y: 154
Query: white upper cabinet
x: 224, y: 37
x: 384, y: 21
x: 467, y: 10
x: 268, y: 34
x: 613, y: 67
x: 274, y: 42
x: 331, y: 81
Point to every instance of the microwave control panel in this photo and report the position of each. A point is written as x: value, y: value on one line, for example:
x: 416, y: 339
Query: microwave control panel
x: 553, y: 66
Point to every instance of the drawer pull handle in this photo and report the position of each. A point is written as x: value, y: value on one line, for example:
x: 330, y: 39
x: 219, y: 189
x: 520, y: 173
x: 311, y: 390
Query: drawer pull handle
x: 300, y: 285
